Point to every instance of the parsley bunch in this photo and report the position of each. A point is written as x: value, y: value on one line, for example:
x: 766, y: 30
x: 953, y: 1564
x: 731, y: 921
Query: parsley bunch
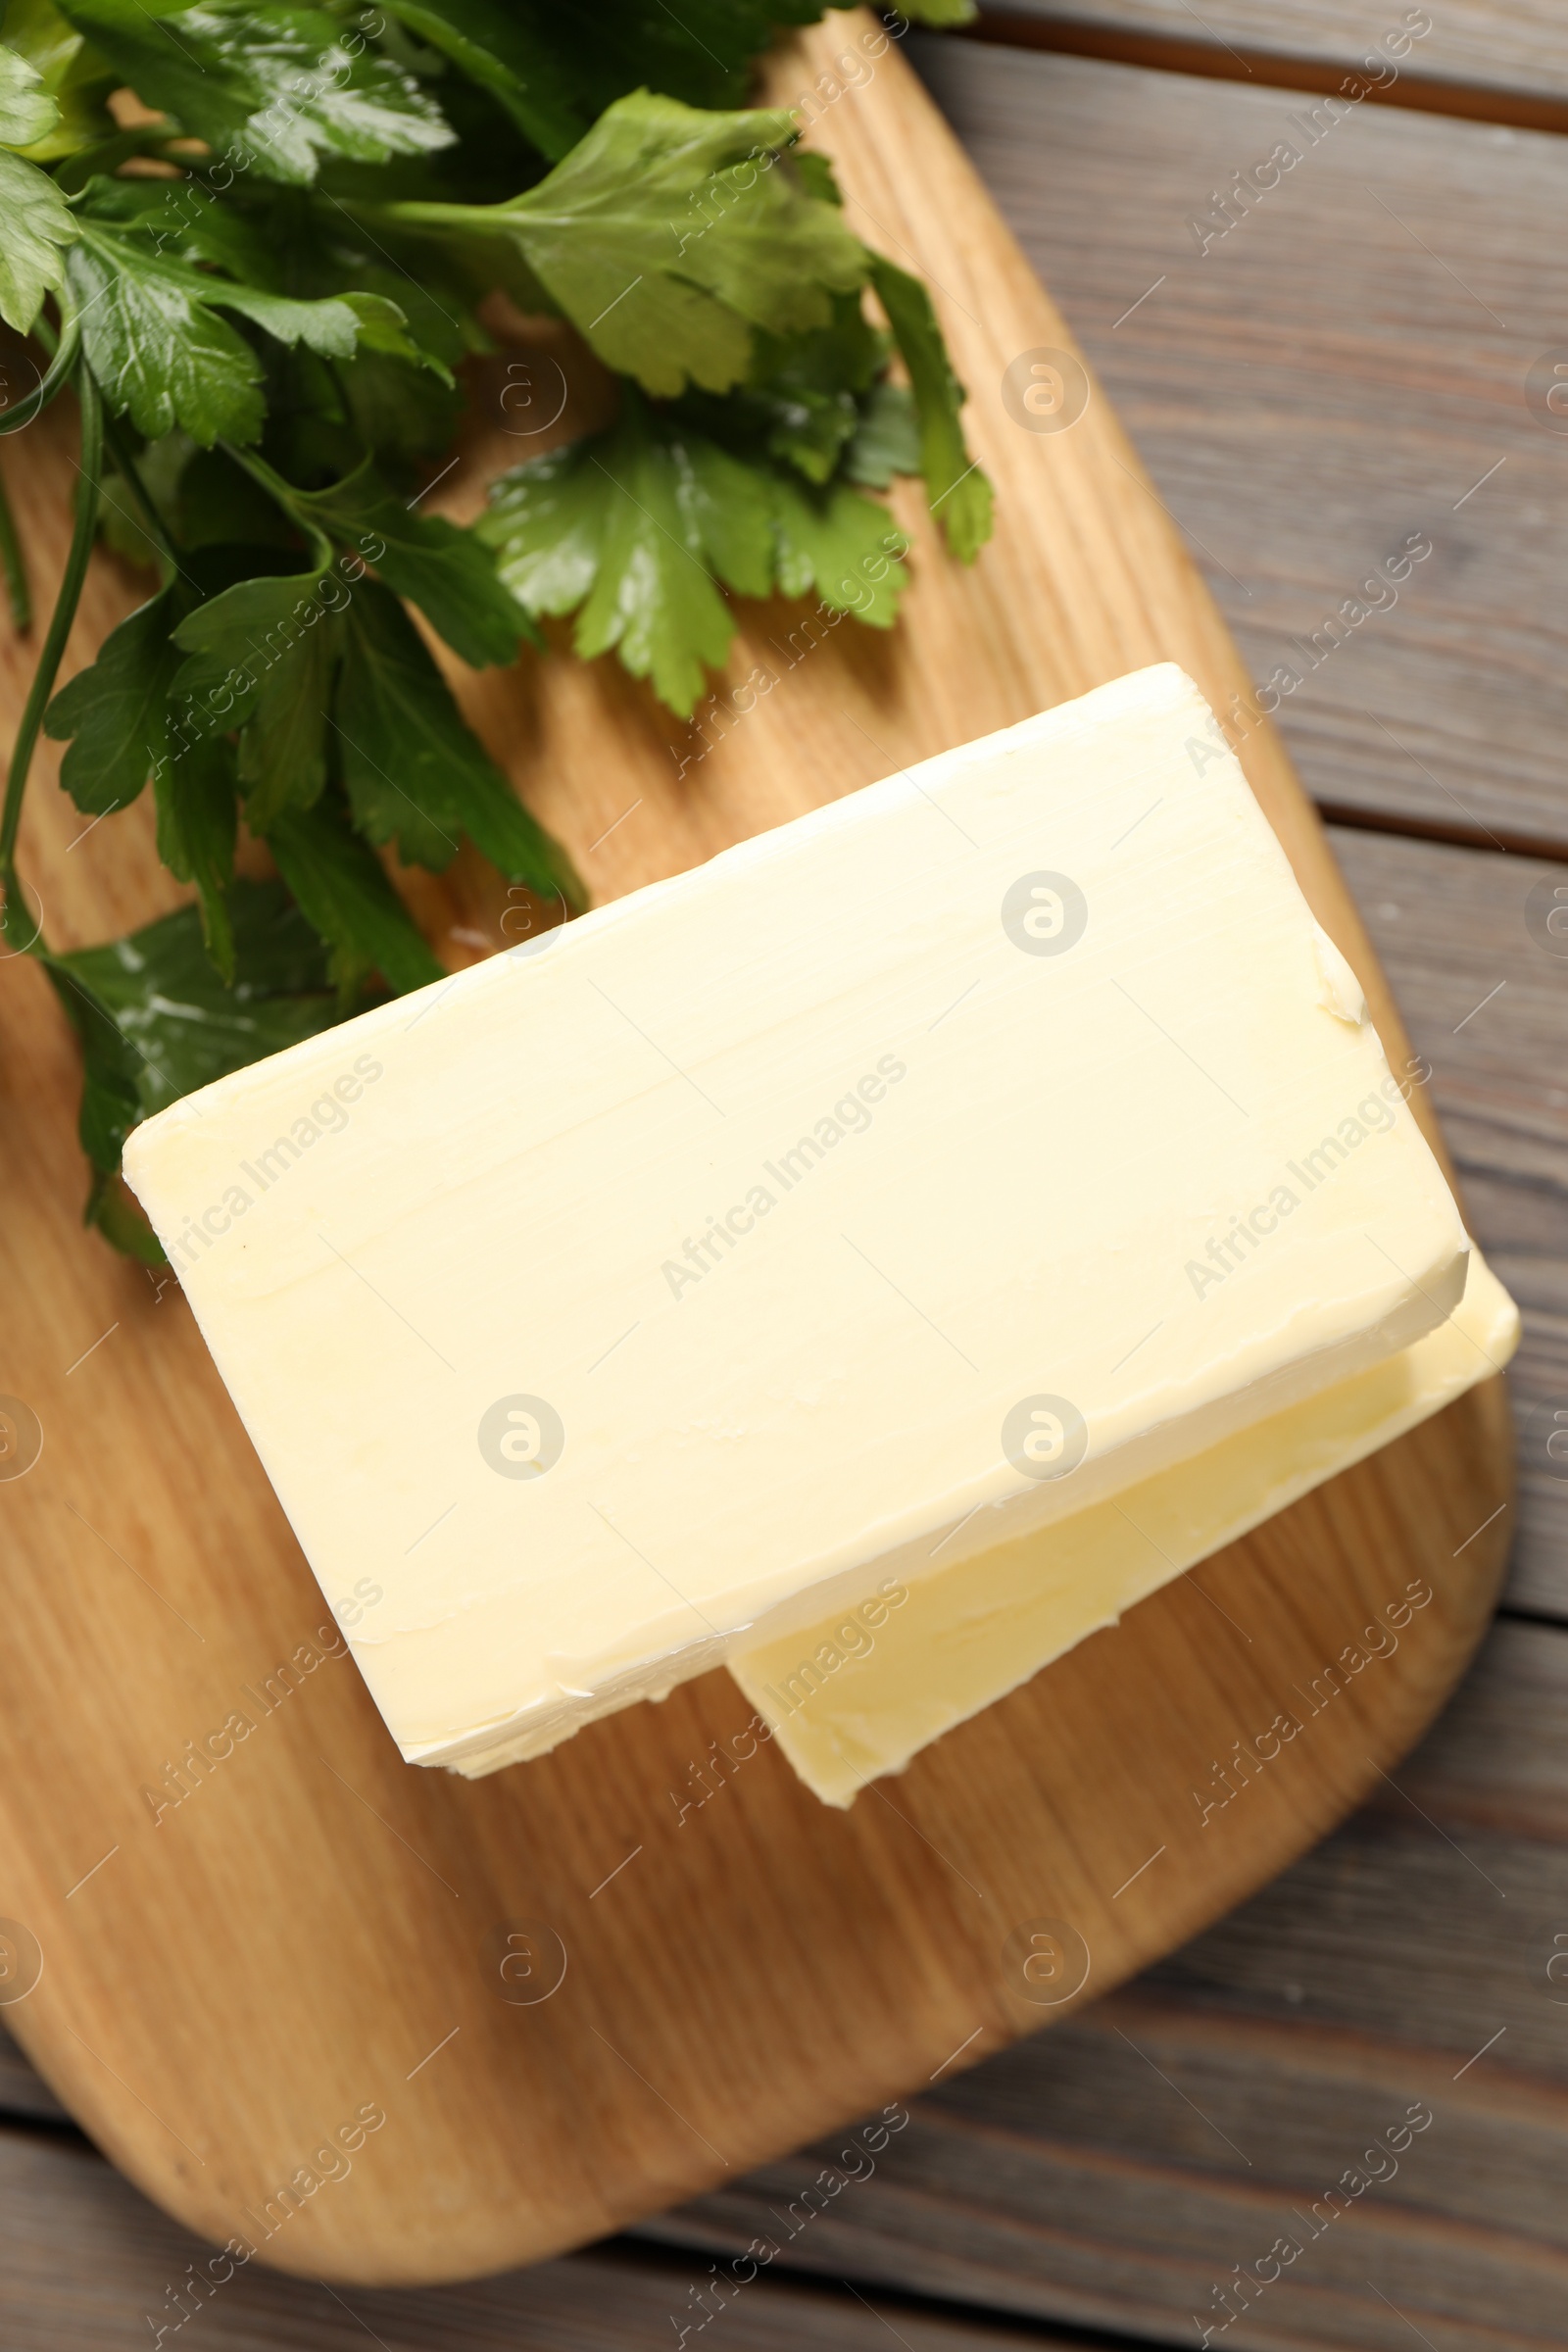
x: 259, y: 272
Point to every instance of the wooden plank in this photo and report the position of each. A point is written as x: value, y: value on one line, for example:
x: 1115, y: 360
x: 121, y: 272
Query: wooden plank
x: 1339, y: 371
x: 1118, y: 2169
x: 326, y: 1968
x: 1476, y: 57
x: 1487, y: 1007
x: 23, y: 2093
x: 85, y: 2262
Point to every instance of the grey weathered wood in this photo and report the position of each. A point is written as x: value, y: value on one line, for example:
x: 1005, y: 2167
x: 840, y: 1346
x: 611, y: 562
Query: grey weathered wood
x: 1476, y: 50
x: 86, y: 2264
x: 22, y: 2092
x: 1117, y: 2166
x: 1317, y: 386
x: 1449, y: 926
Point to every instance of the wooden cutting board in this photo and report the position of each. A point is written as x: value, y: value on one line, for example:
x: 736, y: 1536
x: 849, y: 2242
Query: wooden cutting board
x: 321, y: 1937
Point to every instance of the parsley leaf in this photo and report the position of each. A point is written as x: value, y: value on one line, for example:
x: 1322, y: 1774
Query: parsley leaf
x: 958, y: 491
x: 634, y: 528
x: 273, y: 88
x: 118, y: 718
x: 156, y: 1020
x: 414, y: 773
x: 114, y: 713
x: 197, y: 823
x: 700, y: 51
x: 342, y: 887
x: 804, y: 394
x: 667, y: 236
x: 270, y: 276
x: 27, y: 112
x: 161, y: 354
x: 70, y: 72
x: 37, y: 226
x: 494, y: 42
x: 444, y: 571
x: 886, y: 439
x: 261, y: 659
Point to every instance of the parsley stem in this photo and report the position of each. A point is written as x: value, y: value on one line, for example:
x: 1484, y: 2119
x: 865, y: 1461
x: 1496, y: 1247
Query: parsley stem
x: 131, y: 475
x: 283, y: 494
x: 54, y: 646
x: 18, y: 595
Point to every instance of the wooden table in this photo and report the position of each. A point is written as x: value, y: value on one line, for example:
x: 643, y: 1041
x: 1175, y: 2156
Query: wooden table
x: 1357, y: 354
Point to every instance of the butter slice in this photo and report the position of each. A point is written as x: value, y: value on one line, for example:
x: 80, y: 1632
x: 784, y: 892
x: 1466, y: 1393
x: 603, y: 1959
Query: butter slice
x: 955, y: 1157
x: 860, y: 1694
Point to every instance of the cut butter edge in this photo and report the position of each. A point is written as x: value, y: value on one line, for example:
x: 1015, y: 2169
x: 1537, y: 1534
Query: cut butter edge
x: 860, y: 1694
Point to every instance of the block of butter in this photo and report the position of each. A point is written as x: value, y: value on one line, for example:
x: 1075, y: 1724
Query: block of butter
x: 953, y: 1158
x: 859, y: 1692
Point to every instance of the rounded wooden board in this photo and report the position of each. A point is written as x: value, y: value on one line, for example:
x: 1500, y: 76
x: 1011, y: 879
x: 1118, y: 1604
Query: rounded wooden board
x: 312, y: 1937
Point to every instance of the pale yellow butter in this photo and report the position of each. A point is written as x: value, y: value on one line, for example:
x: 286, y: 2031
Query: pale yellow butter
x: 860, y: 1693
x: 954, y: 1158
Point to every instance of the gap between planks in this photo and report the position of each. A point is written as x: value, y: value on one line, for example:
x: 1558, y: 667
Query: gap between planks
x: 1216, y: 60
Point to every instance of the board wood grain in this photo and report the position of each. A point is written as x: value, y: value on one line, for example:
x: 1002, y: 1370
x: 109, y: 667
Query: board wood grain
x: 305, y: 1943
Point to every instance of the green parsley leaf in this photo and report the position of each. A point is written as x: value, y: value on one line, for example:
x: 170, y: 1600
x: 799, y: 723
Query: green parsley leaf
x: 71, y: 73
x: 444, y: 571
x: 37, y: 224
x: 706, y: 260
x: 27, y: 112
x: 197, y: 823
x: 941, y: 15
x: 842, y: 545
x: 804, y: 394
x: 634, y: 528
x: 276, y: 89
x: 414, y: 773
x: 117, y: 716
x: 342, y: 887
x: 886, y: 439
x: 667, y: 236
x: 161, y: 355
x: 114, y: 714
x: 261, y: 659
x: 699, y: 51
x: 957, y: 490
x: 156, y: 1021
x: 608, y: 526
x: 495, y: 45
